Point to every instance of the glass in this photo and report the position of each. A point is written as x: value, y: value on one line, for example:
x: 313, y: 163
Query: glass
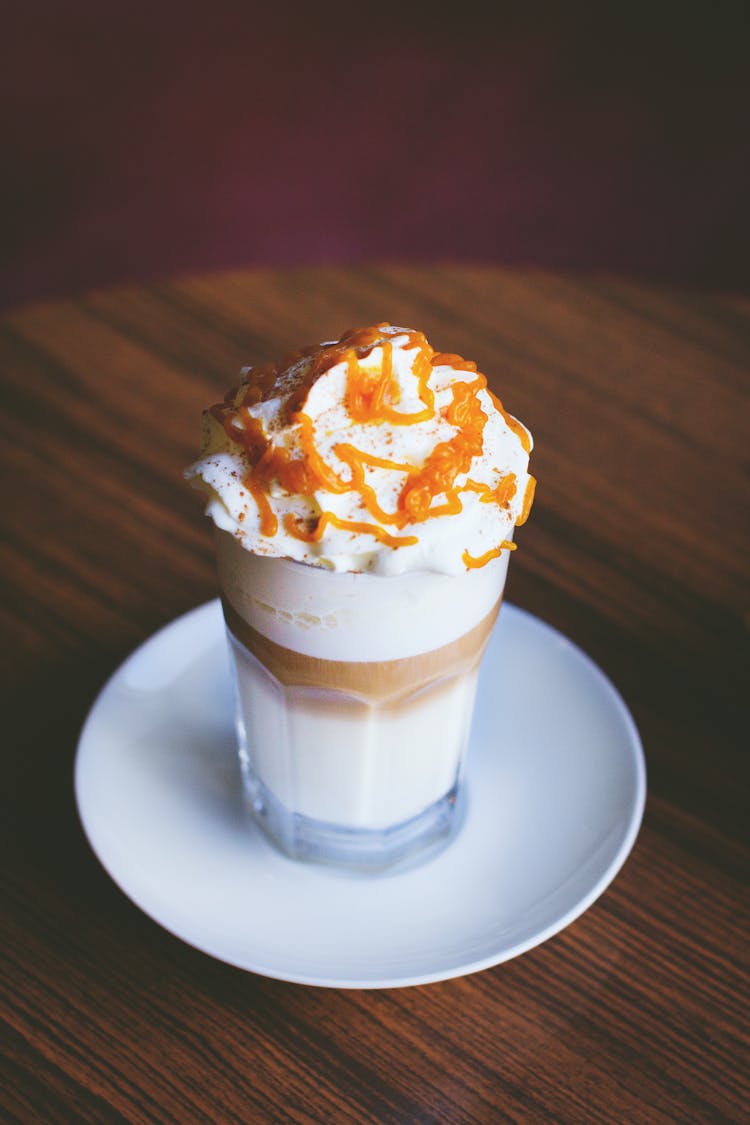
x: 351, y: 761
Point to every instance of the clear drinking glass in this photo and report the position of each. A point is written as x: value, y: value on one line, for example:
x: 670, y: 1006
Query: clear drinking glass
x: 354, y: 697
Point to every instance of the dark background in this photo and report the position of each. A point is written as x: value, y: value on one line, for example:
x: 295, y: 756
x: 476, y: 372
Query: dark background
x: 141, y: 140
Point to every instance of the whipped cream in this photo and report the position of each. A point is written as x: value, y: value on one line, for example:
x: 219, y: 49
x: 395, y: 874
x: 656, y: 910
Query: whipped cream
x: 370, y: 453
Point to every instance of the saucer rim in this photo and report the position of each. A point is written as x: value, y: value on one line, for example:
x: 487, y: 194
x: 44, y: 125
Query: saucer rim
x: 635, y: 753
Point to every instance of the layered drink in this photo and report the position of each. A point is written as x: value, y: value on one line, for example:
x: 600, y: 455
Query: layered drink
x: 364, y: 493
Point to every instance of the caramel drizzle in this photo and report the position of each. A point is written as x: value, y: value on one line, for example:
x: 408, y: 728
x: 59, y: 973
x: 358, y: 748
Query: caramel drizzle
x: 472, y: 563
x: 513, y: 424
x: 369, y: 394
x: 449, y: 459
x: 501, y: 494
x: 356, y: 527
x: 371, y: 398
x: 528, y: 500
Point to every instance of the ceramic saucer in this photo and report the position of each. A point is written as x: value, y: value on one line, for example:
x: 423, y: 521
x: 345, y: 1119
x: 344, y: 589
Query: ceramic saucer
x: 555, y: 789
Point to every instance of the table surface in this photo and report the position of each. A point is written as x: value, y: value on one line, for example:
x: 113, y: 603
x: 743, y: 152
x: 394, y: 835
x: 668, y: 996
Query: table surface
x: 636, y: 549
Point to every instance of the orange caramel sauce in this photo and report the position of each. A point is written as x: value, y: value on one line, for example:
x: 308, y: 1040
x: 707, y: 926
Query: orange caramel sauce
x: 355, y: 459
x: 481, y: 560
x: 449, y: 458
x: 322, y: 472
x: 345, y: 451
x: 269, y: 523
x: 450, y: 359
x: 513, y: 424
x: 501, y: 494
x: 329, y: 518
x: 528, y: 500
x: 371, y: 397
x: 369, y: 394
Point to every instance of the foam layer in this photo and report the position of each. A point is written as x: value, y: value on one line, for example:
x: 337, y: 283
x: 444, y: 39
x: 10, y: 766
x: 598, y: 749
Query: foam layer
x: 355, y: 617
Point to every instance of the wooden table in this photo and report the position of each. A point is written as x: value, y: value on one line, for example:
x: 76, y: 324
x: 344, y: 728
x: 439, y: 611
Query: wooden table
x: 635, y: 550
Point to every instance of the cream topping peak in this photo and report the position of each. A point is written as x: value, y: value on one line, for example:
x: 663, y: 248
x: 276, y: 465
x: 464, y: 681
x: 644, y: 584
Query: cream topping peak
x: 373, y: 452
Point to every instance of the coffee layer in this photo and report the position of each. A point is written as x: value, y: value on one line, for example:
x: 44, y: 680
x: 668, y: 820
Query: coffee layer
x: 376, y: 681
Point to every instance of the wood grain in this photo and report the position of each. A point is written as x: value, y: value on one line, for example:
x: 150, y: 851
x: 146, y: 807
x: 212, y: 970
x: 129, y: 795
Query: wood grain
x: 637, y: 549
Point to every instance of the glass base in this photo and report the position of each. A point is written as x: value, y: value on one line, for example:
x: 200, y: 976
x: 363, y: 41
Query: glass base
x: 364, y: 849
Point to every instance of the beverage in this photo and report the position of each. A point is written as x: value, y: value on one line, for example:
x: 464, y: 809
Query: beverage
x: 356, y: 615
x: 345, y: 720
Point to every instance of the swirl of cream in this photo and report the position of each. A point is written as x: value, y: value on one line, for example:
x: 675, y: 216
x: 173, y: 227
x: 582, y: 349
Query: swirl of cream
x: 370, y: 453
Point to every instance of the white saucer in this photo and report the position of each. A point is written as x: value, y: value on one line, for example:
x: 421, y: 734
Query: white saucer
x: 555, y: 784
